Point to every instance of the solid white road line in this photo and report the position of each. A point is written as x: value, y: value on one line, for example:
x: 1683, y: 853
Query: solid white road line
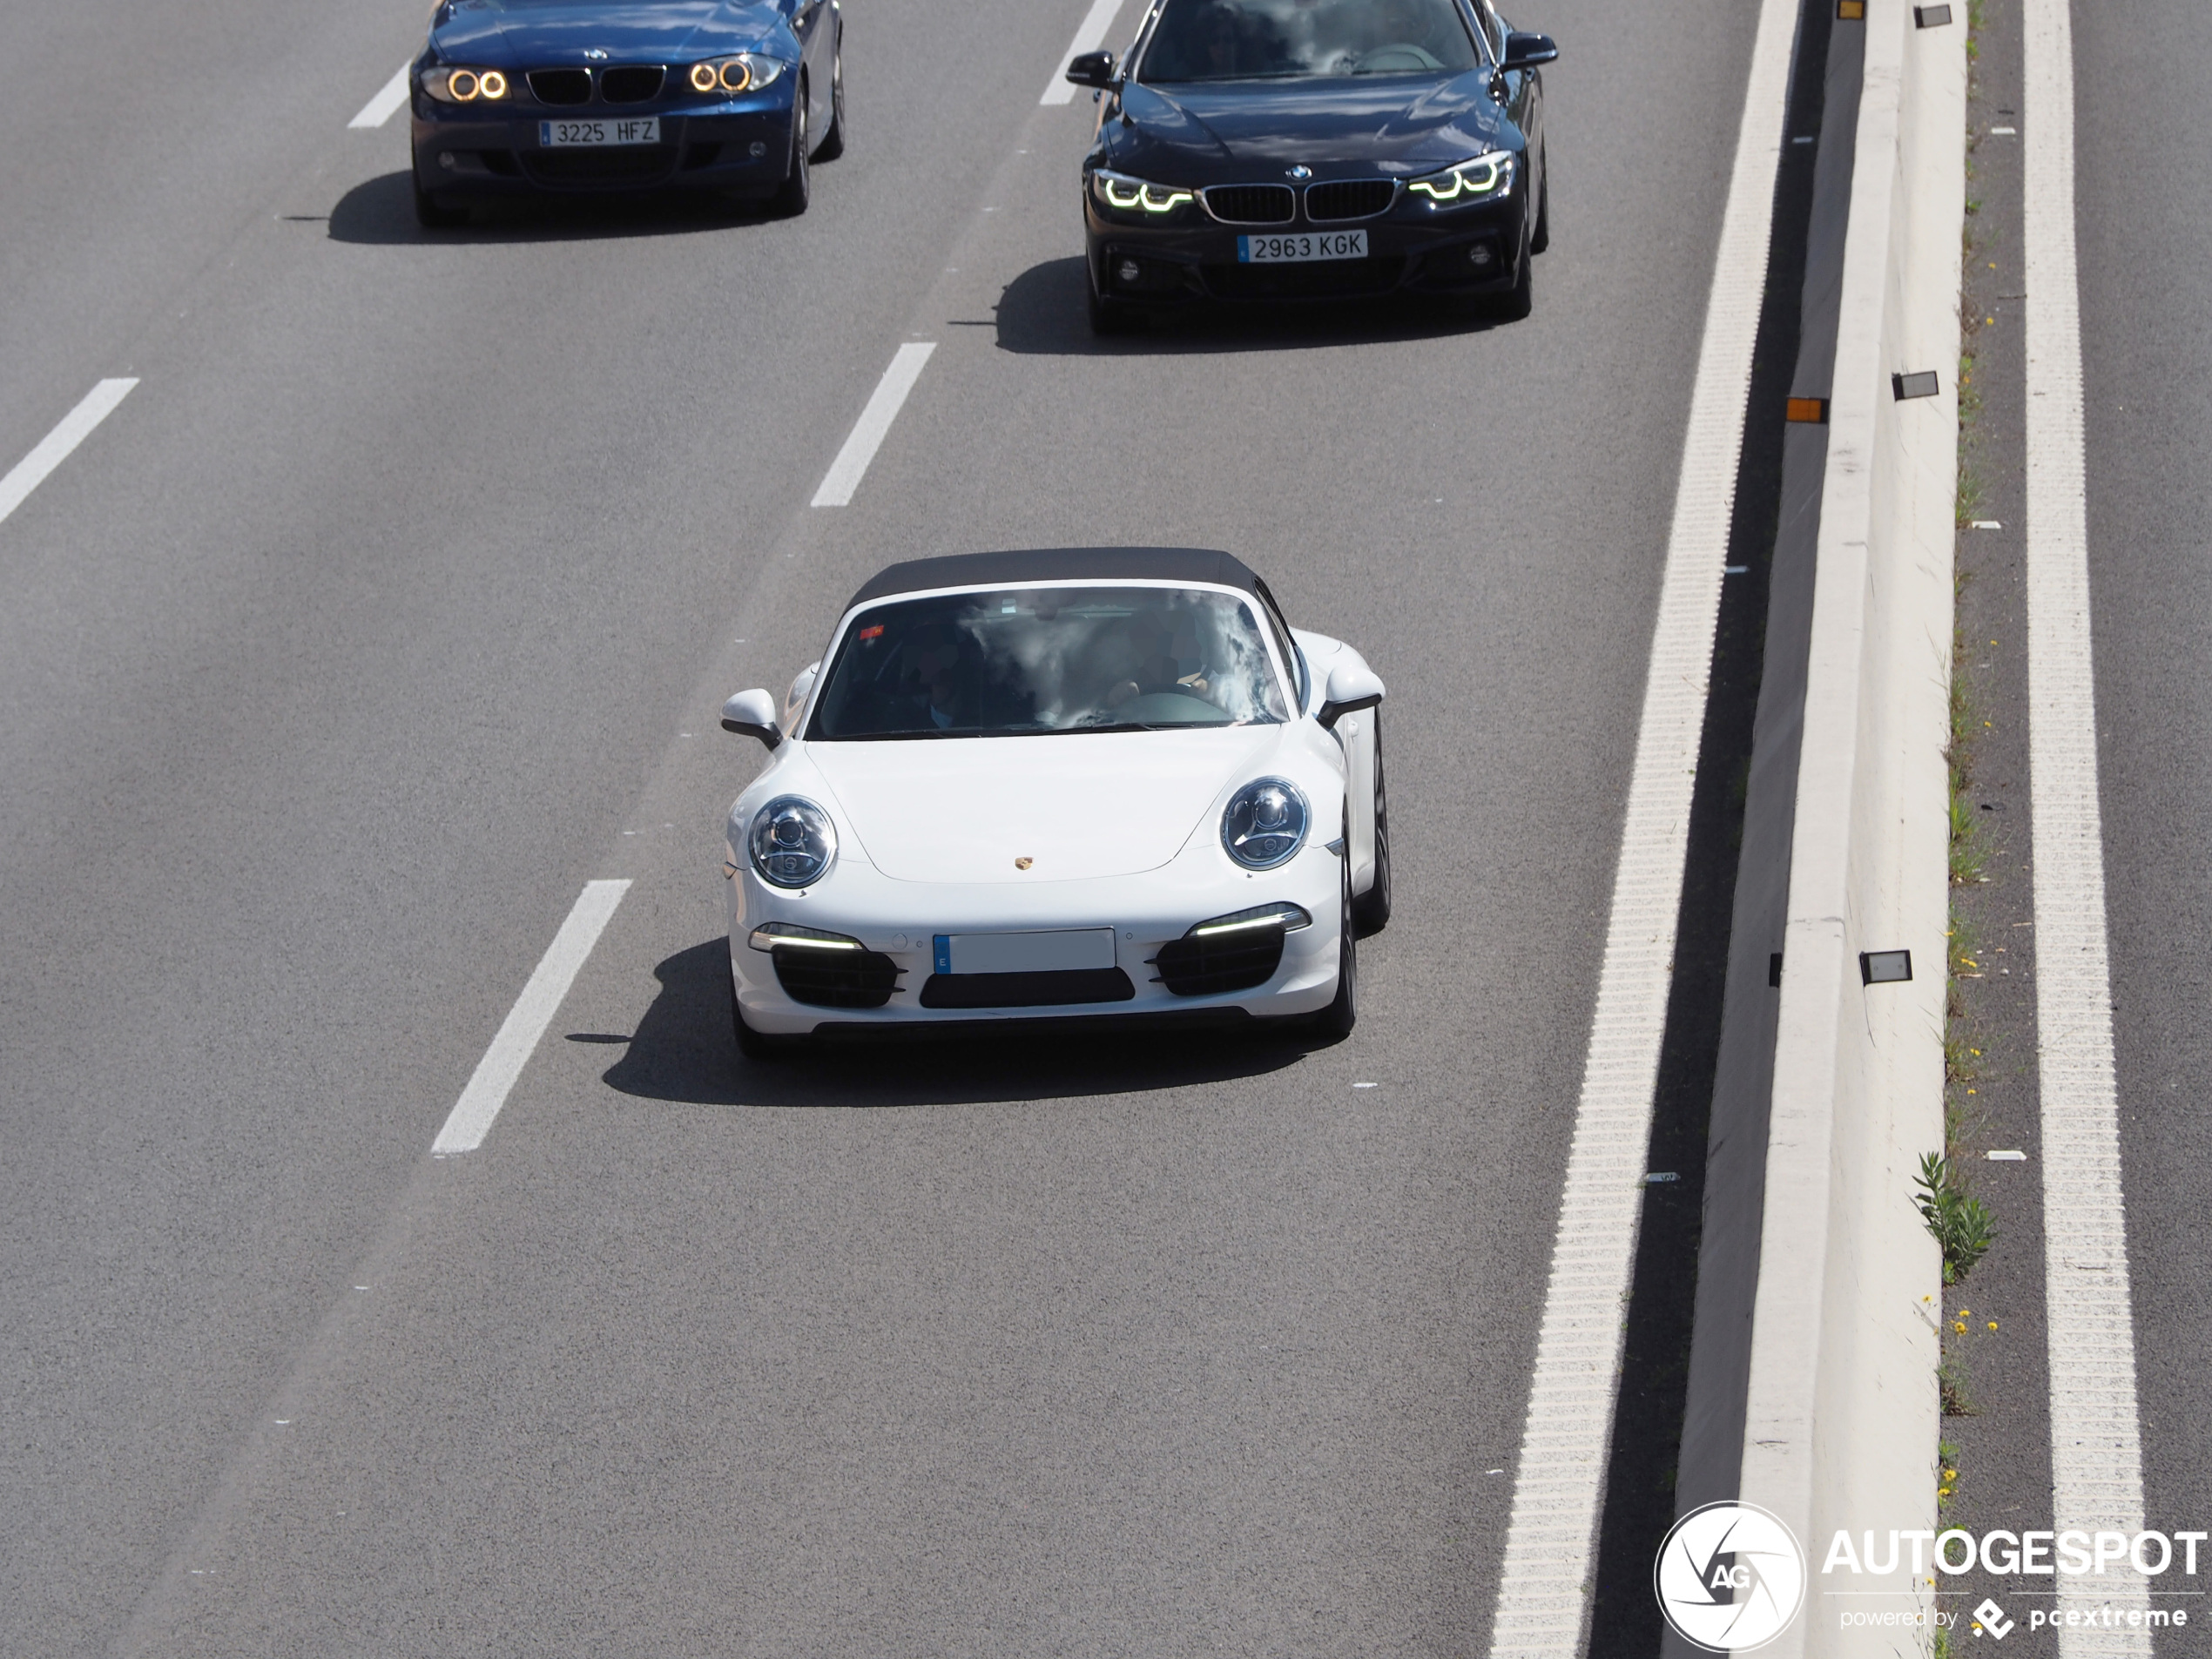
x: 76, y: 426
x: 378, y: 110
x: 2096, y: 1451
x: 1544, y: 1584
x: 472, y: 1115
x: 1088, y: 38
x: 852, y: 463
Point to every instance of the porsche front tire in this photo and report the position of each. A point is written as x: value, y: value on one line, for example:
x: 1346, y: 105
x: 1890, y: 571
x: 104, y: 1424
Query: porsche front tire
x: 1336, y: 1021
x: 1370, y: 910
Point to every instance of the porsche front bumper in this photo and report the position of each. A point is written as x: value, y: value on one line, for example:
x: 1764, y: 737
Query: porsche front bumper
x: 897, y: 923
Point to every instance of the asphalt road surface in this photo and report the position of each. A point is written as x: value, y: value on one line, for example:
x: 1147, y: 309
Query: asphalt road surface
x: 397, y: 601
x: 2145, y: 227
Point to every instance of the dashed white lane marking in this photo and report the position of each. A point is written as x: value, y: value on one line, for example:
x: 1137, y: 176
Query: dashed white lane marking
x: 54, y: 448
x: 2096, y: 1451
x: 1544, y: 1583
x: 867, y: 436
x: 378, y: 110
x: 472, y: 1115
x: 1088, y: 38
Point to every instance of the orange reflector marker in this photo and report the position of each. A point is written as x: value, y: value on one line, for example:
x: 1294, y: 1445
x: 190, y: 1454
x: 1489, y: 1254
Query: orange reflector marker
x: 1811, y: 411
x: 1851, y: 11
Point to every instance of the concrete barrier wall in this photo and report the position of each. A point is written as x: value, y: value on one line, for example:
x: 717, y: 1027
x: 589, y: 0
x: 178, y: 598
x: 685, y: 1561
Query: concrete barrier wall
x: 1842, y: 1414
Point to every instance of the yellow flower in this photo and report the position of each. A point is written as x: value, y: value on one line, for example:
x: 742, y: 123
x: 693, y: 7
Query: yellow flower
x: 1960, y: 1327
x: 1966, y: 1313
x: 1992, y: 1325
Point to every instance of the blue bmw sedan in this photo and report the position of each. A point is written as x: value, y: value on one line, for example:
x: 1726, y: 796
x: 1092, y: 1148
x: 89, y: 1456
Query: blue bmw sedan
x: 532, y: 98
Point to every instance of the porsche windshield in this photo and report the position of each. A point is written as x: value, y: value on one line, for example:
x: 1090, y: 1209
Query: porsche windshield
x: 1241, y: 40
x: 1035, y: 660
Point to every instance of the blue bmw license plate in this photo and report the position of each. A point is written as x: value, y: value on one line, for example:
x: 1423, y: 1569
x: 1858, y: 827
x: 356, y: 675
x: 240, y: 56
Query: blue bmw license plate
x: 1301, y: 245
x: 561, y: 135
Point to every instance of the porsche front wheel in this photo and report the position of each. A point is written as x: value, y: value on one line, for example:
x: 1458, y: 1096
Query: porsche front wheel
x: 1370, y: 910
x: 1336, y: 1021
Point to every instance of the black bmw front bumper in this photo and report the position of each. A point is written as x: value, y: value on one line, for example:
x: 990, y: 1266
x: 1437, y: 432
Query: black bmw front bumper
x: 1410, y: 249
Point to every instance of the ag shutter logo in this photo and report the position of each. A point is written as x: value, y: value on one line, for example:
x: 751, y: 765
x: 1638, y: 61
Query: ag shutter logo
x: 1729, y: 1577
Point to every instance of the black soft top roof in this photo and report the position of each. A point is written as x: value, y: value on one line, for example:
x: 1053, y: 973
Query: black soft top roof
x: 1074, y: 564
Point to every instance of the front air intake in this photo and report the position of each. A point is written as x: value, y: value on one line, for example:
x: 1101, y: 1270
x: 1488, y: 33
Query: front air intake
x: 1349, y: 198
x: 835, y: 979
x: 631, y: 85
x: 1250, y: 203
x: 561, y: 86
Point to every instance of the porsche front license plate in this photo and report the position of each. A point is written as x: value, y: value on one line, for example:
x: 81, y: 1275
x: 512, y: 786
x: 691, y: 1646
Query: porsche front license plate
x: 1052, y: 953
x: 1306, y: 245
x: 560, y: 135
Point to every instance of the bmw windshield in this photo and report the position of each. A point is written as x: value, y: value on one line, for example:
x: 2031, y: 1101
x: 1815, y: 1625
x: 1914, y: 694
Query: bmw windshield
x: 1240, y: 40
x: 1025, y: 661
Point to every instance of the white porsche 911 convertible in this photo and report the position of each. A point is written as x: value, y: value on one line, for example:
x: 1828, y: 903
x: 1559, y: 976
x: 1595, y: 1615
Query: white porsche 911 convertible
x: 1096, y: 783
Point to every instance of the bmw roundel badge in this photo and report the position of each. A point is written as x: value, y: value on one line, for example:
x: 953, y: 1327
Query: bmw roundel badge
x: 1301, y: 172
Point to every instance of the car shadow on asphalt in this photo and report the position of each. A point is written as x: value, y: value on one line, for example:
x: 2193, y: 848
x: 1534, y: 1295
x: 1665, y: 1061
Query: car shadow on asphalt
x: 684, y: 1051
x: 1041, y: 312
x: 380, y: 212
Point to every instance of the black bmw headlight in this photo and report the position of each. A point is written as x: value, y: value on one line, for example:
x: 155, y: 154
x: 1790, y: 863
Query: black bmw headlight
x: 1264, y: 823
x: 792, y: 842
x: 1487, y: 178
x: 1139, y: 201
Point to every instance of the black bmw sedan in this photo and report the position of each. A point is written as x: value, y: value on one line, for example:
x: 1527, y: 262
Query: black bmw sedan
x: 1284, y: 150
x: 524, y: 98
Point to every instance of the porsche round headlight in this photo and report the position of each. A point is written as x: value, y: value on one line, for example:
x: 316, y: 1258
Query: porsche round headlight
x: 792, y: 842
x: 1264, y: 823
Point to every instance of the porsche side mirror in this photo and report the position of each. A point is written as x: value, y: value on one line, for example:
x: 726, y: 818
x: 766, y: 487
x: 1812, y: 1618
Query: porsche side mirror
x: 1526, y: 51
x: 1352, y: 686
x: 1092, y: 68
x: 752, y: 714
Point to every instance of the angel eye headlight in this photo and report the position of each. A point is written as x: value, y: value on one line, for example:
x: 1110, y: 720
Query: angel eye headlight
x: 1487, y: 178
x: 464, y: 85
x: 792, y: 842
x: 1125, y: 194
x: 745, y: 72
x: 1264, y: 823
